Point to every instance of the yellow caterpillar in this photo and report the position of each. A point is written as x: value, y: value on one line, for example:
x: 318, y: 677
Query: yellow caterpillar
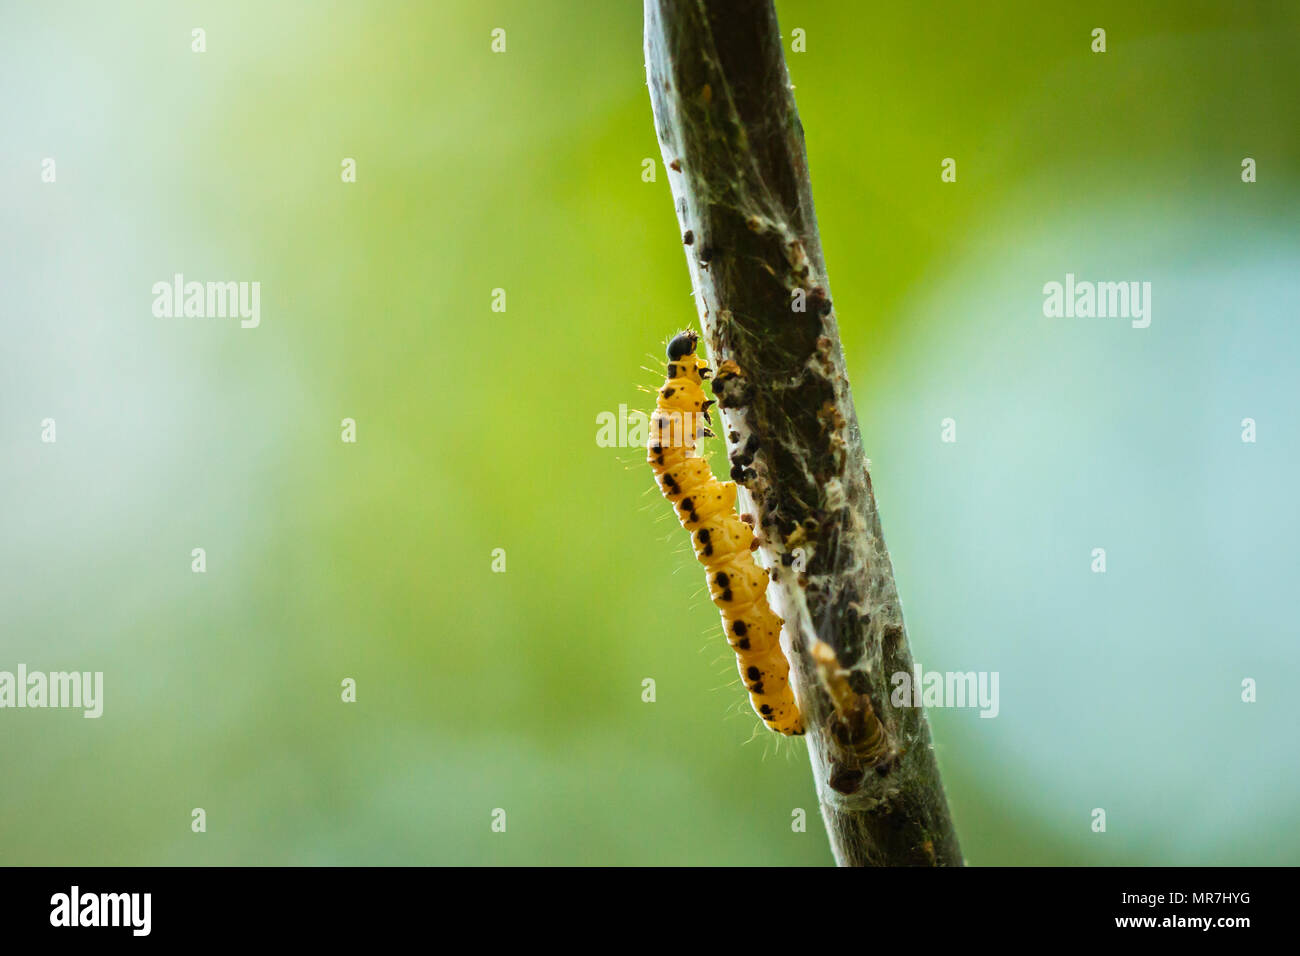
x: 723, y: 542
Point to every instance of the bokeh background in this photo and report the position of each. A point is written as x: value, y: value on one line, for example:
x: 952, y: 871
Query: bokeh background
x: 477, y: 430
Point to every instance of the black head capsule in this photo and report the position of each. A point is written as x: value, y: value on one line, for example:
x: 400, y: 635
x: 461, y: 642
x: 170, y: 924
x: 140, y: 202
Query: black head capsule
x: 682, y: 345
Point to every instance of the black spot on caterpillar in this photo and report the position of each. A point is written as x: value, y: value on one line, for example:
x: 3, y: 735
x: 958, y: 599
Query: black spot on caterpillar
x: 723, y: 542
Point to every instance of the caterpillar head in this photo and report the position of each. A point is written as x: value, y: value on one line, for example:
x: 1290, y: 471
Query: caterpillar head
x: 682, y: 345
x: 684, y: 363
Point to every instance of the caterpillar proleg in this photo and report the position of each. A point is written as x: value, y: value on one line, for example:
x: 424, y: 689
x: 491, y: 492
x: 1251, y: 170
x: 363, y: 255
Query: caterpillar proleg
x: 724, y: 544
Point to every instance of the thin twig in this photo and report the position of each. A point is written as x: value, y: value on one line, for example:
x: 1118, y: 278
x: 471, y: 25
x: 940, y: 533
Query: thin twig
x: 731, y: 138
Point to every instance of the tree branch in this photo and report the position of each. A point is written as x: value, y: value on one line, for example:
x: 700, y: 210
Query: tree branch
x: 731, y: 138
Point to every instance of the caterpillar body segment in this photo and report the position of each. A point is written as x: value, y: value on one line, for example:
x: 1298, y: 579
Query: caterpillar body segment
x: 723, y: 543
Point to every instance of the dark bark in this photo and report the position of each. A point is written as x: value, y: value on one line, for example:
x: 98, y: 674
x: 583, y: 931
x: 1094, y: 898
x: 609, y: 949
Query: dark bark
x: 733, y: 144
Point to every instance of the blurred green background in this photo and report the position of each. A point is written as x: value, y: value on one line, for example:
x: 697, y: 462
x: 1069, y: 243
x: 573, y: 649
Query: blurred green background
x: 476, y: 430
